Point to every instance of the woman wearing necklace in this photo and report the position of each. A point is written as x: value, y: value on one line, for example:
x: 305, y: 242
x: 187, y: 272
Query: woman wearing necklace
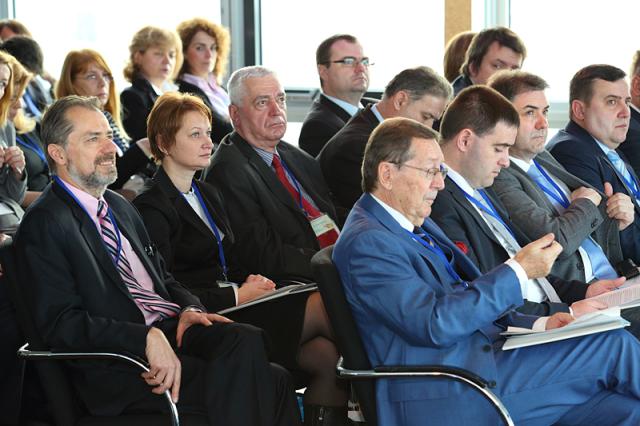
x: 187, y: 222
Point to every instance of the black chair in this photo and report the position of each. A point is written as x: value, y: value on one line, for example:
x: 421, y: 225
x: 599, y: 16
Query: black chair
x: 65, y: 406
x: 354, y: 363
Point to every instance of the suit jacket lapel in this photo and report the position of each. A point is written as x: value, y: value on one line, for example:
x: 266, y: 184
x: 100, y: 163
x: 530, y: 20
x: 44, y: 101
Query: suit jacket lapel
x: 462, y: 200
x: 92, y: 236
x: 335, y: 108
x: 268, y: 176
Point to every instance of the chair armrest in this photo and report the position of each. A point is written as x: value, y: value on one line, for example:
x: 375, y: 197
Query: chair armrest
x: 133, y: 360
x: 442, y: 371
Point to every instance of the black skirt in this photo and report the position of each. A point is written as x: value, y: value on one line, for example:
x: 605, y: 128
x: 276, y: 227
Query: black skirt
x: 282, y: 320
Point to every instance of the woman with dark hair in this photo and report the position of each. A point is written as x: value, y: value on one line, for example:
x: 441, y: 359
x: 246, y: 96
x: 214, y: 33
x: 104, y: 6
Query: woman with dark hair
x: 187, y: 221
x: 205, y: 47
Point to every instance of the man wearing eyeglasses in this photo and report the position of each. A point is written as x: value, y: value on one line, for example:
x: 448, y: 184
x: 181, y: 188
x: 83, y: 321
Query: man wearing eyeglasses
x: 418, y: 300
x: 477, y: 131
x: 417, y: 93
x: 344, y: 79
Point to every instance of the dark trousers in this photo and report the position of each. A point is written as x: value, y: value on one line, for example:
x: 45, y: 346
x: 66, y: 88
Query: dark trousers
x: 227, y: 377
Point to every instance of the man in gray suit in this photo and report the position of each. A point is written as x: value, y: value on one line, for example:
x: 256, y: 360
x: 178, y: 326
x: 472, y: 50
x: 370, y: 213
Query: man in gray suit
x: 541, y: 196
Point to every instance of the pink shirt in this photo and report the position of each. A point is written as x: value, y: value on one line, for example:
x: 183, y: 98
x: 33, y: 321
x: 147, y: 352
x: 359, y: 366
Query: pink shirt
x: 90, y: 204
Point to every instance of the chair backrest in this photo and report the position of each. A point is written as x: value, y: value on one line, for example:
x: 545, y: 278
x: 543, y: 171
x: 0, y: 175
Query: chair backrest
x: 65, y: 408
x: 345, y: 329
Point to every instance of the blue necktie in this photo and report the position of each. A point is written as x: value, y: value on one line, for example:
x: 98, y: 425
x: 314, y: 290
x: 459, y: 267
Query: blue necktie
x: 600, y: 265
x: 621, y: 167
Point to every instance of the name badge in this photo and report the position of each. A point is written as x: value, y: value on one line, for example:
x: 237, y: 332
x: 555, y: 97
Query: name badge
x: 323, y: 224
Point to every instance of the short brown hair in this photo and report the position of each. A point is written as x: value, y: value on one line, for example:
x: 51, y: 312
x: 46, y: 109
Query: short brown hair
x: 165, y: 119
x: 511, y: 83
x: 454, y: 54
x: 188, y: 29
x: 581, y: 86
x: 478, y: 108
x: 481, y: 42
x: 56, y: 126
x: 391, y: 142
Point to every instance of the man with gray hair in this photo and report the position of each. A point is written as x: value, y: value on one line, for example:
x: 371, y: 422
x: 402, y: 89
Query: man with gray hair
x: 96, y: 283
x: 417, y: 93
x: 279, y: 206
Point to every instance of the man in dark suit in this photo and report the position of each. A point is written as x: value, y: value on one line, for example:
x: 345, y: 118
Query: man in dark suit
x: 96, y: 283
x: 586, y: 221
x: 417, y: 299
x: 630, y: 148
x: 417, y: 93
x: 599, y: 99
x: 490, y: 50
x: 344, y: 78
x: 279, y: 206
x: 474, y: 218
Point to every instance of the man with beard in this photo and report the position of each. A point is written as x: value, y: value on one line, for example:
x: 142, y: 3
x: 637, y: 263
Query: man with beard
x: 599, y: 99
x: 541, y: 196
x: 344, y: 78
x: 96, y: 283
x: 279, y: 206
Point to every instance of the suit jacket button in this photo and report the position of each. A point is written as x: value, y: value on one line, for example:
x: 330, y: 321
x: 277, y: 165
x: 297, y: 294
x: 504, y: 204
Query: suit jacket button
x: 492, y: 384
x: 594, y: 223
x: 579, y: 266
x: 486, y: 348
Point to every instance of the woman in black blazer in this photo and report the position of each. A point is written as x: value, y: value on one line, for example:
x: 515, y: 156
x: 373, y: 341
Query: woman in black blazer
x: 205, y: 47
x: 188, y: 224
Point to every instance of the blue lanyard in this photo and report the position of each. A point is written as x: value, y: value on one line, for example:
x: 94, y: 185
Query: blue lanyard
x: 109, y: 213
x: 297, y: 185
x: 631, y: 184
x: 558, y: 195
x: 33, y: 109
x: 491, y: 210
x: 214, y: 228
x: 29, y: 143
x: 434, y: 248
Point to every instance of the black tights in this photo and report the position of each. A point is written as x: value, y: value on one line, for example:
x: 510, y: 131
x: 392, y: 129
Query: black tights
x: 318, y: 356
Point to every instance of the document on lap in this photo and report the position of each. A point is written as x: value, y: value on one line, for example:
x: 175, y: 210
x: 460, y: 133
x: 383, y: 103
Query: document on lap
x: 626, y: 296
x: 595, y: 322
x: 281, y: 292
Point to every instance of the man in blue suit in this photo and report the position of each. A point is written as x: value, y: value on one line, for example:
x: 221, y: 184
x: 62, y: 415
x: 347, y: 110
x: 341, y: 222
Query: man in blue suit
x: 599, y: 109
x: 631, y: 146
x: 417, y: 299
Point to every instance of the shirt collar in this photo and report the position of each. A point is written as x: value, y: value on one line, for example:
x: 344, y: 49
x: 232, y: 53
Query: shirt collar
x: 267, y: 156
x: 379, y: 116
x: 399, y: 217
x: 351, y: 109
x: 603, y: 147
x: 524, y: 165
x: 460, y: 181
x: 87, y: 201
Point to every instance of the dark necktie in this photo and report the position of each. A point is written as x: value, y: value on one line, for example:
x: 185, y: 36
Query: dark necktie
x: 325, y: 239
x: 149, y: 300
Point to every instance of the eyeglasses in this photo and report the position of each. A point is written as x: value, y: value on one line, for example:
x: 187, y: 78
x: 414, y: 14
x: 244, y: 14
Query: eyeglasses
x: 350, y: 61
x: 428, y: 173
x: 92, y: 78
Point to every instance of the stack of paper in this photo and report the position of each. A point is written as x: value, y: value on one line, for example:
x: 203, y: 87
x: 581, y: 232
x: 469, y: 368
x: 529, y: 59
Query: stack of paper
x: 626, y: 296
x: 281, y: 292
x: 595, y: 322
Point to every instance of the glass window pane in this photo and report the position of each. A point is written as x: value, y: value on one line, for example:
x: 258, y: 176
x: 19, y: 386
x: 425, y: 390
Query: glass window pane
x: 61, y: 26
x: 405, y: 34
x: 564, y: 36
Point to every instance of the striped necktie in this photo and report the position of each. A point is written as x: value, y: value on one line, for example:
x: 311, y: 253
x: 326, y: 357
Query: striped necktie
x: 148, y: 300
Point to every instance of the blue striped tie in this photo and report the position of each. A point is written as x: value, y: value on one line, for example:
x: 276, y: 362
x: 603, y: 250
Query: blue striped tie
x: 149, y: 300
